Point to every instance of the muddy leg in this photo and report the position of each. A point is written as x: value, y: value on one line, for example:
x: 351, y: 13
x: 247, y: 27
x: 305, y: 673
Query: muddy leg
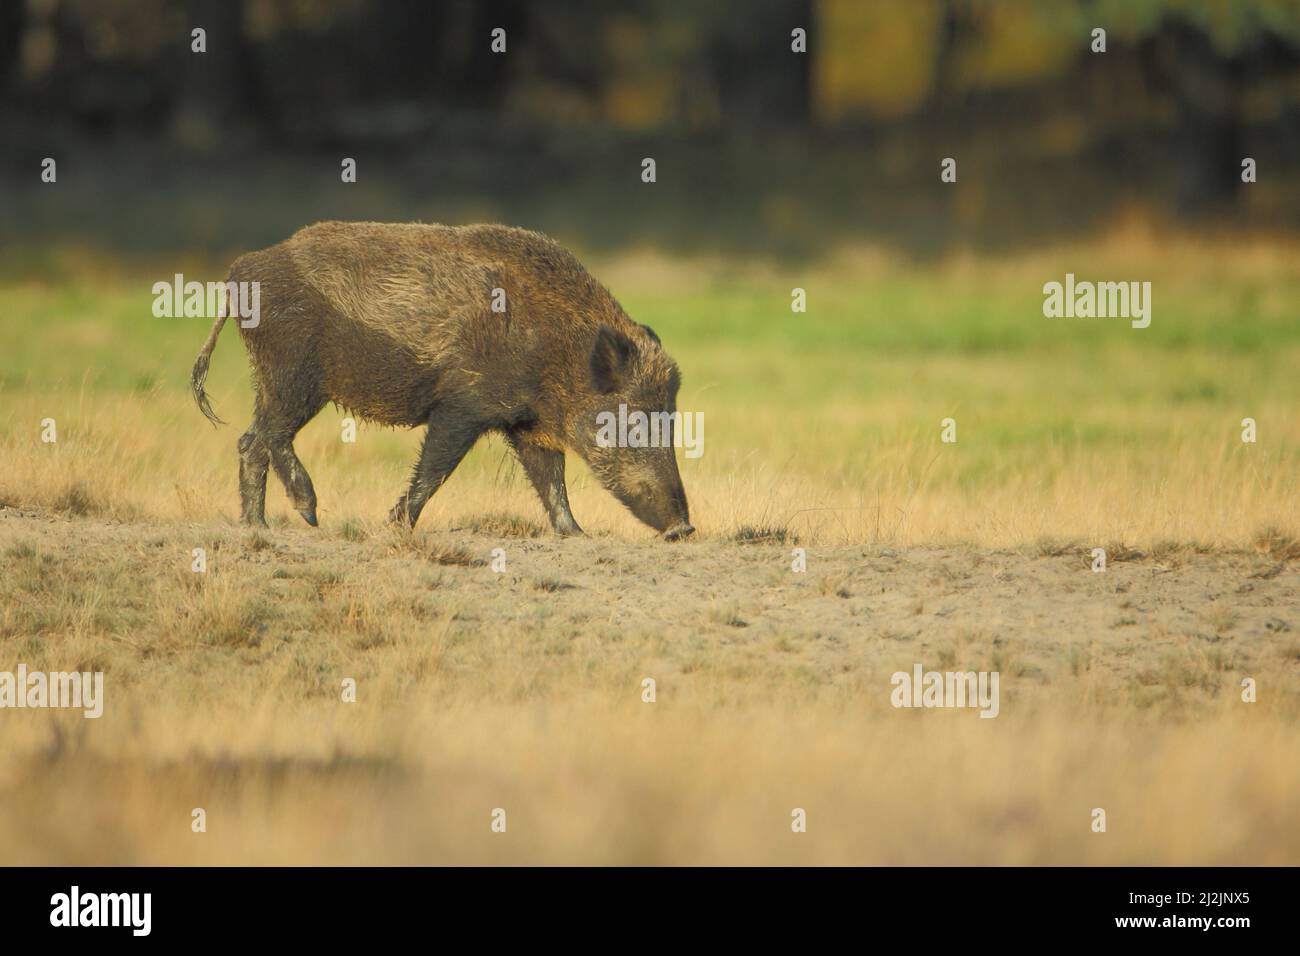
x: 296, y: 481
x: 545, y: 469
x: 450, y: 436
x: 254, y: 460
x: 289, y: 469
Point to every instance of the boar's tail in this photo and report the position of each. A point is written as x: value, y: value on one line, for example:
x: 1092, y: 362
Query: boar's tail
x: 199, y: 374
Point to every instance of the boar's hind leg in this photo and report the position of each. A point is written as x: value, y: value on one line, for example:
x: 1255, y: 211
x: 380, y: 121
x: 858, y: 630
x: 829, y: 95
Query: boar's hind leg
x: 449, y: 437
x: 280, y: 432
x: 545, y: 469
x: 254, y: 460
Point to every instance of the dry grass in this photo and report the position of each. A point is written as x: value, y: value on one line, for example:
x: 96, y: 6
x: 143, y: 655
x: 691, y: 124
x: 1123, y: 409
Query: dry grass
x: 136, y: 457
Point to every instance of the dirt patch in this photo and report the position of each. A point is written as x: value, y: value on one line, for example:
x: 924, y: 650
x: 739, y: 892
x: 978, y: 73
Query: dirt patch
x: 498, y: 669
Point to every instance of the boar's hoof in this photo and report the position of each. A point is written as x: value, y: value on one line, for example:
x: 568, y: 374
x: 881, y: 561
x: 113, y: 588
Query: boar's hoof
x: 308, y: 515
x: 399, y: 516
x: 679, y: 531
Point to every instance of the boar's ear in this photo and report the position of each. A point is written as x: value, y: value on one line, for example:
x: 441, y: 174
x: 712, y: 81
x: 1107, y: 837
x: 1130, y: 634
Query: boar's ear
x: 610, y: 358
x: 653, y: 338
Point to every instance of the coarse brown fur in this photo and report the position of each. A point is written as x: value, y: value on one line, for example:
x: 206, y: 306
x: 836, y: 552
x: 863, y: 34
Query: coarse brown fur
x: 395, y: 323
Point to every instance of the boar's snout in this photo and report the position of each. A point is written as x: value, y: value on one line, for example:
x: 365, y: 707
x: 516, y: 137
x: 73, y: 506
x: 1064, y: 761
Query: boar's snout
x: 659, y: 503
x: 680, y: 525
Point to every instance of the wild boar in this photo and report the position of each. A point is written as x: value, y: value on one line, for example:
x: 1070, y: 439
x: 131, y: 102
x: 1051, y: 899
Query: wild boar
x: 466, y: 330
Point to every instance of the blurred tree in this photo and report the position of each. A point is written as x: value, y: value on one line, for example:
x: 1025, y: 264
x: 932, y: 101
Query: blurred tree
x: 1206, y: 86
x: 218, y: 89
x: 760, y: 81
x: 11, y: 40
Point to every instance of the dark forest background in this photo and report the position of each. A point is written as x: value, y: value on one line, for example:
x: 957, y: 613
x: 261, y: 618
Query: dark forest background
x: 759, y: 149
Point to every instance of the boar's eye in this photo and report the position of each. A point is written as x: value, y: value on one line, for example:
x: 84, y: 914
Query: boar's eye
x: 611, y: 359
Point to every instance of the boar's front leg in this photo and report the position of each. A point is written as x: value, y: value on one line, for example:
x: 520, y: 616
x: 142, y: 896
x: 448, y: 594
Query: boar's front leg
x: 545, y: 469
x: 450, y: 436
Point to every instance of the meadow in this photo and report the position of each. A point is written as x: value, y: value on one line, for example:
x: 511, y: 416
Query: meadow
x: 825, y: 423
x: 523, y: 690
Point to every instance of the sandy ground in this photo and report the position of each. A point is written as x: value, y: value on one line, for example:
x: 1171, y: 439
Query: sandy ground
x: 523, y: 690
